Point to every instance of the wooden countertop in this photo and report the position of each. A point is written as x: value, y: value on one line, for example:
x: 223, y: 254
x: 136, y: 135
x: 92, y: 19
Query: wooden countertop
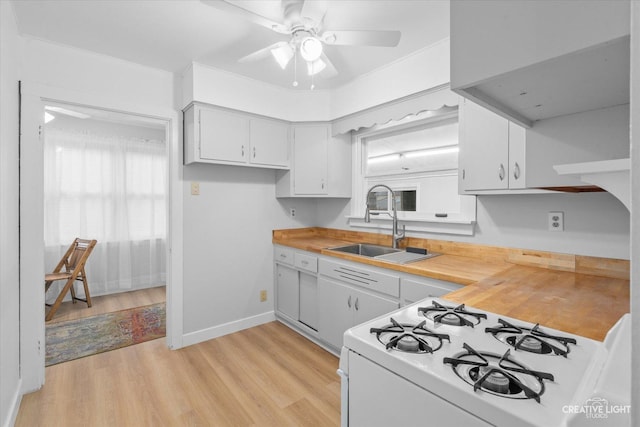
x: 582, y: 304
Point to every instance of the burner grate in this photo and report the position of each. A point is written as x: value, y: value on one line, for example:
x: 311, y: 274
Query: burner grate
x: 409, y: 338
x: 498, y: 375
x: 455, y: 316
x: 533, y: 340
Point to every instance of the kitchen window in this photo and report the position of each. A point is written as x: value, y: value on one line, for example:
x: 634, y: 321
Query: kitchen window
x: 418, y: 158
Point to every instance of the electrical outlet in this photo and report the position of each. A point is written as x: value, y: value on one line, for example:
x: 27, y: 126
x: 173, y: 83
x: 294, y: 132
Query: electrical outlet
x: 263, y: 295
x: 195, y: 188
x: 292, y: 212
x: 556, y: 221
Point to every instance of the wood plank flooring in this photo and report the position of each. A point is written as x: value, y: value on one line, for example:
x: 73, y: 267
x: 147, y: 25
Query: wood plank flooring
x: 109, y: 303
x: 263, y: 376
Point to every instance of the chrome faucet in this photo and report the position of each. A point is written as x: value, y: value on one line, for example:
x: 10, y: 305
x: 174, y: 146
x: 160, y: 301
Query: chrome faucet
x: 396, y: 235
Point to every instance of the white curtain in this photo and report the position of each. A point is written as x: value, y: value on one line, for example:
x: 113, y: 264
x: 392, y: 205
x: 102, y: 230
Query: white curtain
x: 112, y: 189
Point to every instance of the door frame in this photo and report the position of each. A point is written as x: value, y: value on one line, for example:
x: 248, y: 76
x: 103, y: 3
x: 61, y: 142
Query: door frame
x: 32, y: 269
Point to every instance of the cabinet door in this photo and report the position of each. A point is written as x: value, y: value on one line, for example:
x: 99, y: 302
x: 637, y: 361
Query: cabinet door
x: 269, y: 143
x: 517, y: 153
x: 310, y: 159
x: 287, y: 289
x: 309, y: 300
x: 367, y: 306
x: 335, y: 314
x: 223, y: 136
x: 484, y: 149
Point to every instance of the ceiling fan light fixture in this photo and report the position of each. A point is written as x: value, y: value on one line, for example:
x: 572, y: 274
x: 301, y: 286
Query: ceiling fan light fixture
x: 310, y: 49
x: 315, y: 67
x: 282, y: 55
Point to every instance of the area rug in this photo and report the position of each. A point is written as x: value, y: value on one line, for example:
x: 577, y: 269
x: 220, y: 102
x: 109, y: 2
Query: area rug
x: 74, y: 339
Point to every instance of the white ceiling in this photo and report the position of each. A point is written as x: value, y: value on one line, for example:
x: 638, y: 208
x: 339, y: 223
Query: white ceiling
x: 170, y: 34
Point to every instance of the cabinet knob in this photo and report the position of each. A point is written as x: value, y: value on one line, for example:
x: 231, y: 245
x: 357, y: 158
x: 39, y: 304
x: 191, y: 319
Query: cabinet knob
x: 243, y: 151
x: 516, y: 170
x: 254, y: 152
x: 501, y: 172
x: 464, y: 173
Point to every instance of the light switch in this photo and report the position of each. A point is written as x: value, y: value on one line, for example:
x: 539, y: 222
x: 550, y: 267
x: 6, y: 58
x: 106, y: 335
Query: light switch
x: 195, y: 188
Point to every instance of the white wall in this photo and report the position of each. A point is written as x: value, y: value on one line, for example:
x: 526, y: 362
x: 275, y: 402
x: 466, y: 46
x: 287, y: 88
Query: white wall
x: 228, y: 255
x: 635, y: 202
x: 596, y: 224
x: 424, y: 69
x: 9, y: 286
x: 213, y: 86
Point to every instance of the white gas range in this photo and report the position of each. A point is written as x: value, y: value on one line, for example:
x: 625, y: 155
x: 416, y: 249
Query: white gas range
x: 444, y: 364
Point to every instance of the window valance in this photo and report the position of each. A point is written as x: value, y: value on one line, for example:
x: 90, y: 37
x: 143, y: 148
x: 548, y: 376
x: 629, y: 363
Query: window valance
x: 427, y: 100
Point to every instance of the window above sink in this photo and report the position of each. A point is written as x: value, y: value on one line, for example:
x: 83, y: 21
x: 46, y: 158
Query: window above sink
x: 417, y: 157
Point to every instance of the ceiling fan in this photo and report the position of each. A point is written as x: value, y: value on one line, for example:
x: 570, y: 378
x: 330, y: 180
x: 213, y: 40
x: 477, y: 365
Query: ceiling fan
x: 302, y: 22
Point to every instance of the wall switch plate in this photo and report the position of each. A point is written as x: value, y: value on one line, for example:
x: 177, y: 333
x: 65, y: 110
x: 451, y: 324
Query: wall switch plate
x: 556, y: 221
x: 292, y: 212
x: 263, y: 295
x: 195, y: 188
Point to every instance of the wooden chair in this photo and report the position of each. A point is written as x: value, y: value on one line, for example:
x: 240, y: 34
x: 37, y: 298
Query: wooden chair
x: 73, y: 262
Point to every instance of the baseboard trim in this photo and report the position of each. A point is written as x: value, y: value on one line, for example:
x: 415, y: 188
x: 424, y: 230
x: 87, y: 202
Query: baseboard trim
x: 227, y: 328
x: 12, y: 414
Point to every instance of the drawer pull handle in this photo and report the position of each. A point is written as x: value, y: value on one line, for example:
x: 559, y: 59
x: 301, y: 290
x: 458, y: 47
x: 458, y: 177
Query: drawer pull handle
x: 356, y: 304
x: 304, y: 262
x: 349, y: 302
x: 501, y: 172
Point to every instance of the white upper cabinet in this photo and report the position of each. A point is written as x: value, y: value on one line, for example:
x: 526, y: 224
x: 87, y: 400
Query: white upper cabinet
x: 269, y: 142
x: 321, y: 165
x: 310, y: 156
x: 533, y: 60
x: 497, y: 155
x: 218, y: 135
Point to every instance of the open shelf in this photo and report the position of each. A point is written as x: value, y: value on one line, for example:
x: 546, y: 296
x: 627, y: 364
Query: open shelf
x: 611, y: 175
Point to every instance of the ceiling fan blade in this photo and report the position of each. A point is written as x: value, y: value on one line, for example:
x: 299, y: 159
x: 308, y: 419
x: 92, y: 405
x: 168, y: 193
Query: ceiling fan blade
x: 262, y: 53
x: 330, y: 70
x: 314, y: 10
x: 362, y: 38
x: 241, y: 9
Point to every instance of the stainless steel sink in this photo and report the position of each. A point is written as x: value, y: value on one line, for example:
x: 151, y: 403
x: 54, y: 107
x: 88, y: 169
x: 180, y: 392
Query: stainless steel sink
x: 366, y: 250
x: 397, y: 256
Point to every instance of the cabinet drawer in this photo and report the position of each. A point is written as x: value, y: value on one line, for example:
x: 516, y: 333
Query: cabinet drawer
x: 354, y: 275
x: 416, y: 290
x: 284, y: 255
x: 306, y: 262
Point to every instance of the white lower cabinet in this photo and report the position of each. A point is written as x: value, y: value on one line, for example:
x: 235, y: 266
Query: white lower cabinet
x: 308, y: 300
x: 296, y: 287
x: 342, y: 306
x: 287, y: 290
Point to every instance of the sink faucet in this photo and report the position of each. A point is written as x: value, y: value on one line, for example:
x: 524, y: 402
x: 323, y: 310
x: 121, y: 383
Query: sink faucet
x: 396, y: 235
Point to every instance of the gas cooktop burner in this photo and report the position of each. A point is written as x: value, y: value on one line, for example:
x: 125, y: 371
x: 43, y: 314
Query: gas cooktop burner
x: 409, y: 338
x: 456, y: 316
x: 498, y: 375
x: 532, y: 340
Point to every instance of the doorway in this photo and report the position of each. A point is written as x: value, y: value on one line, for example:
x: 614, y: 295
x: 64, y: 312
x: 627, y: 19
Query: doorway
x: 105, y: 178
x: 33, y: 99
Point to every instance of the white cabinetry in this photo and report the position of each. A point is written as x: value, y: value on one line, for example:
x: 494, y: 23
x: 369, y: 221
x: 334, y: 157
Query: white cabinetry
x: 349, y: 295
x: 499, y: 156
x: 296, y: 287
x: 491, y: 150
x: 321, y: 165
x: 342, y: 307
x: 416, y: 288
x: 222, y: 136
x: 287, y: 291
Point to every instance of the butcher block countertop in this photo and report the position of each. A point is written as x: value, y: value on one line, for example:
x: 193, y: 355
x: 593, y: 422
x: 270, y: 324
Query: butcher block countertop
x: 581, y: 295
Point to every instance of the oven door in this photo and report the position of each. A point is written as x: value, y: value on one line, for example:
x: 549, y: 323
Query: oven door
x: 378, y: 397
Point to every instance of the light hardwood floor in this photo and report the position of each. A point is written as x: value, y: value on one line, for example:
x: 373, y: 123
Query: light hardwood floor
x: 263, y: 376
x: 109, y: 304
